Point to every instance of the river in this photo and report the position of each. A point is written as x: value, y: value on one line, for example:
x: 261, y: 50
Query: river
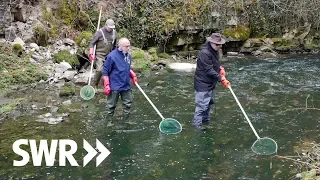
x: 280, y: 96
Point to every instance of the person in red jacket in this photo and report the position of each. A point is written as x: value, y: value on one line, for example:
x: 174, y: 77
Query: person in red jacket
x: 116, y: 77
x: 208, y: 72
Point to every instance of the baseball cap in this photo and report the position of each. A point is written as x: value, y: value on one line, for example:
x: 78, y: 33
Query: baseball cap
x: 110, y: 23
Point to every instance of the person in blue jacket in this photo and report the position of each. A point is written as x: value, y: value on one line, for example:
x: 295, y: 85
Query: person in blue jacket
x: 116, y: 77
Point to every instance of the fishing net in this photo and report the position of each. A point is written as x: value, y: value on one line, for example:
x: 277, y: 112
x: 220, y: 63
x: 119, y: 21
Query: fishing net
x: 264, y: 146
x: 87, y: 92
x: 170, y: 126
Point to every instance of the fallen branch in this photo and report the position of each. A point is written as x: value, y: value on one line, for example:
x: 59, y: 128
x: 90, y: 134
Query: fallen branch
x: 284, y: 157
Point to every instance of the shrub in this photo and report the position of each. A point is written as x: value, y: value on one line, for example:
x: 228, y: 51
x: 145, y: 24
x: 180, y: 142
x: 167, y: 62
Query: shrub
x: 66, y: 56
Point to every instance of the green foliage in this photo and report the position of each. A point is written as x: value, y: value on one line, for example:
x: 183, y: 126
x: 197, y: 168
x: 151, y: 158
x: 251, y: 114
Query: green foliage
x: 158, y: 20
x: 16, y: 70
x: 240, y: 32
x: 11, y: 106
x: 153, y: 50
x: 47, y: 14
x: 140, y: 59
x: 312, y: 174
x: 71, y: 14
x: 137, y: 54
x: 17, y: 49
x: 66, y: 11
x: 41, y: 36
x: 83, y: 39
x: 65, y: 55
x: 68, y: 90
x: 164, y: 55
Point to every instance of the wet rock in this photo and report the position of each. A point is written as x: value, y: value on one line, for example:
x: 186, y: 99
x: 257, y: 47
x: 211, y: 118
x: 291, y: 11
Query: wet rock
x: 74, y: 110
x: 50, y: 119
x: 38, y: 57
x: 52, y: 80
x: 68, y: 42
x: 62, y: 67
x: 34, y: 46
x: 160, y: 82
x: 232, y: 53
x: 34, y: 107
x: 102, y: 101
x: 54, y: 109
x: 68, y: 75
x: 66, y: 103
x: 15, y: 115
x: 155, y: 68
x: 18, y: 41
x: 83, y: 78
x: 67, y: 90
x: 84, y: 106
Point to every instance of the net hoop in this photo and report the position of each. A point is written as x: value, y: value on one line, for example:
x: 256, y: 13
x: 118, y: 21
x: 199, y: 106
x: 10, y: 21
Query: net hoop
x: 87, y: 92
x: 177, y: 128
x: 264, y: 146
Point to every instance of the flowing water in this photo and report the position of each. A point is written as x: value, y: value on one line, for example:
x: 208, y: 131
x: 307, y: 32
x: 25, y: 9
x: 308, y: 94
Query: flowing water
x: 280, y: 96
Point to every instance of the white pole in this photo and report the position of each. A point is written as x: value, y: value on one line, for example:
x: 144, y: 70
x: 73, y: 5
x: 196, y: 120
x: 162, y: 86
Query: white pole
x: 94, y: 49
x: 149, y: 101
x: 244, y: 113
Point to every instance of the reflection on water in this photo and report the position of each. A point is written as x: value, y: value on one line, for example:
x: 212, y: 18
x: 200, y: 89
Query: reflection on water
x: 270, y: 91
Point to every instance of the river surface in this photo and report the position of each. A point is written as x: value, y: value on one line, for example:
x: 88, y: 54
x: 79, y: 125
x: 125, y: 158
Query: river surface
x: 280, y: 97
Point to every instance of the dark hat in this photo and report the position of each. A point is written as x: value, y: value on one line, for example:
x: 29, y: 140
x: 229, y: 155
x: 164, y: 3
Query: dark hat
x: 216, y: 38
x: 110, y: 23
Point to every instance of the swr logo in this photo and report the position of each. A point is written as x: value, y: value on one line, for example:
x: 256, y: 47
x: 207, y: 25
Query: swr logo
x: 49, y: 155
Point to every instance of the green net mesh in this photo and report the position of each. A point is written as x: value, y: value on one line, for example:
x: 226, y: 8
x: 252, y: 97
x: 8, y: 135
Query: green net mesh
x: 170, y: 126
x: 264, y: 146
x: 87, y: 92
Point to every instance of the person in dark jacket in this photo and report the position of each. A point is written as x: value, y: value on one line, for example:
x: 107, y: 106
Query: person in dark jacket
x: 208, y: 72
x: 105, y: 41
x: 116, y: 77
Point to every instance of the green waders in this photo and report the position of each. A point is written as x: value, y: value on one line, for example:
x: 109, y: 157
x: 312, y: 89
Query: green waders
x: 126, y: 98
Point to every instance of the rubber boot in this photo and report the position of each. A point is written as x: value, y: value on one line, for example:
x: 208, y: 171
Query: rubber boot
x: 109, y: 120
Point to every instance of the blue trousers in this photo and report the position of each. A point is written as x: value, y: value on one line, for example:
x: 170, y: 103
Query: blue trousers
x: 204, y: 102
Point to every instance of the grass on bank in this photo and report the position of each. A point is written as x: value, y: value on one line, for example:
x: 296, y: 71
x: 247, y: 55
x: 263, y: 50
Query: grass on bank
x: 16, y: 70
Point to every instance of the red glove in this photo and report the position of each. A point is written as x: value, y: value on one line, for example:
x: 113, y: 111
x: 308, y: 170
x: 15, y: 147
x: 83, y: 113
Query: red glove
x: 92, y: 56
x: 222, y: 71
x: 133, y: 76
x: 225, y: 82
x: 106, y: 86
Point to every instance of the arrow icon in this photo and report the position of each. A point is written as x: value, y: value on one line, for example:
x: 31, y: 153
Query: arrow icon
x: 104, y: 152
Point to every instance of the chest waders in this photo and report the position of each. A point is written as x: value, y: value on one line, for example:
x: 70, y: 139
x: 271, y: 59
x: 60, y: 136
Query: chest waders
x: 104, y: 47
x: 88, y: 92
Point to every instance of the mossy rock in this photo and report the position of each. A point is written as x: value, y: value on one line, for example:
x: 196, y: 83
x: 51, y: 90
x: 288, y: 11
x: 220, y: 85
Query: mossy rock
x: 67, y: 90
x: 66, y: 56
x: 153, y: 50
x: 287, y: 45
x: 11, y: 106
x: 164, y: 55
x: 277, y: 40
x: 154, y: 58
x: 240, y: 32
x: 137, y: 54
x: 309, y: 174
x: 140, y: 60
